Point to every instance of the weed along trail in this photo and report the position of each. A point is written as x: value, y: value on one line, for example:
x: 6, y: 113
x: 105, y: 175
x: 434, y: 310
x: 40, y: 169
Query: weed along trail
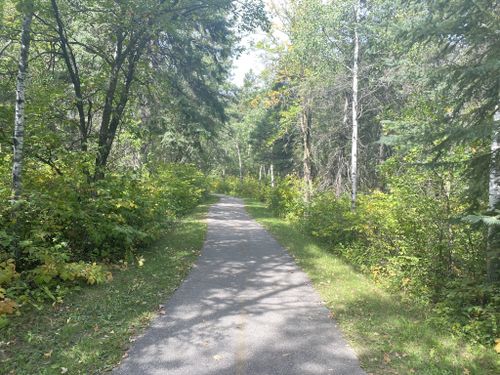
x: 245, y: 308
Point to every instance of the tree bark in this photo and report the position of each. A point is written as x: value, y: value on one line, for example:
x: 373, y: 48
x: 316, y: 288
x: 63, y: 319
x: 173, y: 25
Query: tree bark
x: 493, y: 246
x: 240, y: 163
x: 271, y: 171
x: 112, y: 115
x: 355, y: 78
x: 18, y: 139
x: 19, y: 122
x: 305, y: 126
x: 74, y: 74
x: 338, y: 182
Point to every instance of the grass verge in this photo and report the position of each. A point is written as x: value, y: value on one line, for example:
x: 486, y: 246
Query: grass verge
x: 89, y: 332
x: 389, y: 335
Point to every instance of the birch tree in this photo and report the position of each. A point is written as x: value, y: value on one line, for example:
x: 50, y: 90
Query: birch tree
x: 493, y: 251
x: 305, y: 128
x: 19, y: 122
x: 354, y: 105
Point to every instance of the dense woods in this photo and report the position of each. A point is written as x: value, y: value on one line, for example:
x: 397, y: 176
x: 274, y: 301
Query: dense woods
x: 374, y: 126
x: 106, y: 111
x: 379, y: 121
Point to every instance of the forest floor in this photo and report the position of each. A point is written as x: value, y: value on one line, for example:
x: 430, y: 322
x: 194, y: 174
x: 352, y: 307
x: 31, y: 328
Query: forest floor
x: 390, y: 336
x: 89, y: 332
x: 246, y: 308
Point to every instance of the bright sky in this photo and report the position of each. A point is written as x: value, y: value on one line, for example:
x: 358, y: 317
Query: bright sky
x: 251, y: 59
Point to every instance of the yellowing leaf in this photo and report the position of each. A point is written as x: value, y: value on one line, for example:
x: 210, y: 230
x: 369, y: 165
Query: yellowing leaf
x: 497, y: 346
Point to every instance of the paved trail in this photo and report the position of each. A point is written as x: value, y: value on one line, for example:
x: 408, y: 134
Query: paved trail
x: 245, y: 309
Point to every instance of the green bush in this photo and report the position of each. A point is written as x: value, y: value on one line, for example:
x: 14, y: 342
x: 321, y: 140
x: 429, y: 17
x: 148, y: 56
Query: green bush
x: 64, y: 228
x: 286, y: 199
x: 248, y: 187
x: 410, y: 242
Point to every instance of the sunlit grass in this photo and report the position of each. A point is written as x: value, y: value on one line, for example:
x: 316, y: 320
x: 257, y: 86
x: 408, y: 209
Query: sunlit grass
x: 91, y: 330
x: 389, y: 336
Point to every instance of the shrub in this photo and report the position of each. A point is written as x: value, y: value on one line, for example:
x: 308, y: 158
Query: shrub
x: 286, y: 199
x: 64, y: 229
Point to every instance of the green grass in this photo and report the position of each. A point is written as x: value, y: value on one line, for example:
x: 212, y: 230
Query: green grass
x: 91, y: 330
x: 389, y: 336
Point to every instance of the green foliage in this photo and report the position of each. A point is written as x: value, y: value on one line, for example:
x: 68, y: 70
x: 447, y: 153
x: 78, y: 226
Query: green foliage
x: 390, y: 335
x: 248, y: 187
x: 410, y: 240
x: 287, y: 199
x: 63, y: 228
x: 87, y: 333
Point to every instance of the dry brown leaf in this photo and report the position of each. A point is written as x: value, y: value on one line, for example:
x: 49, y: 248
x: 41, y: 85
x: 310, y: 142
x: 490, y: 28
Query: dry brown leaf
x: 387, y: 359
x: 7, y: 306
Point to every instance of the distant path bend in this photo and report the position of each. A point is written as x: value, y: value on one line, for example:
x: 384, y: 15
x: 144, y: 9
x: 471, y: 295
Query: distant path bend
x: 245, y: 309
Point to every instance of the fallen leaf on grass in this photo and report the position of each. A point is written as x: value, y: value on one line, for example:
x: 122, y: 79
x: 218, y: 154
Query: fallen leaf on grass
x: 64, y: 370
x: 48, y: 354
x: 497, y: 345
x: 387, y: 359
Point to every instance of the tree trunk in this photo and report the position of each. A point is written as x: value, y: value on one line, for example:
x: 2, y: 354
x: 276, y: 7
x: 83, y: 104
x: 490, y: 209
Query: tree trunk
x: 305, y: 126
x: 74, y: 74
x: 112, y: 115
x: 260, y: 173
x: 493, y: 247
x: 338, y: 183
x: 354, y: 140
x: 240, y: 163
x: 19, y: 120
x: 271, y: 171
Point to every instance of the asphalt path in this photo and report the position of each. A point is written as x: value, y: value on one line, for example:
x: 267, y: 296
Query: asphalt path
x: 245, y: 309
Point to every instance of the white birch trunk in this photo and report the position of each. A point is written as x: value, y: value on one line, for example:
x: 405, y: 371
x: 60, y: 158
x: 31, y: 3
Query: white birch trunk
x: 305, y: 125
x: 18, y: 139
x: 260, y: 173
x: 240, y: 163
x: 493, y: 250
x: 354, y: 140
